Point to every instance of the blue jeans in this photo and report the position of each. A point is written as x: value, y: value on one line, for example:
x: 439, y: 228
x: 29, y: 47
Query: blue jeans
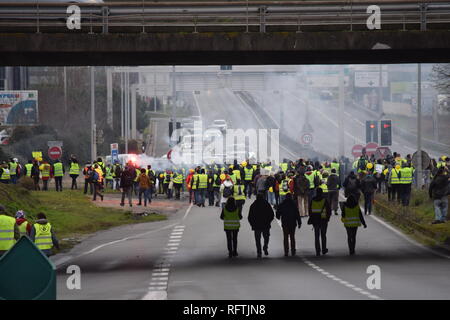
x: 200, y: 196
x: 271, y: 199
x: 440, y: 208
x: 13, y: 179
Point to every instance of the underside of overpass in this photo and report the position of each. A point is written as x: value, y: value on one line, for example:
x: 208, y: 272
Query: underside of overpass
x: 53, y: 49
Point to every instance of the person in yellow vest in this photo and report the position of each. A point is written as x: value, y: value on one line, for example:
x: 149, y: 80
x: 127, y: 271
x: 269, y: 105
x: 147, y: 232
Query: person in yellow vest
x: 58, y: 173
x: 284, y: 166
x: 28, y: 167
x: 352, y: 218
x: 23, y: 224
x: 239, y: 195
x: 202, y: 185
x: 319, y: 215
x: 283, y: 187
x: 109, y: 178
x: 394, y: 180
x: 248, y: 179
x: 178, y: 180
x: 13, y: 165
x: 194, y: 183
x: 97, y: 181
x: 5, y: 176
x: 74, y: 172
x: 43, y: 235
x: 231, y: 217
x: 9, y: 231
x: 45, y: 169
x: 406, y: 179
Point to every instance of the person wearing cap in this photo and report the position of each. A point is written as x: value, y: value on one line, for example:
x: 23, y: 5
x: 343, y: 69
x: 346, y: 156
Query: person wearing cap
x: 319, y: 215
x: 43, y: 235
x: 22, y: 222
x: 9, y: 231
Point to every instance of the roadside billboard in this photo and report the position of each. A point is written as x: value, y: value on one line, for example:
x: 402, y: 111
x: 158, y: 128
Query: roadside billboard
x: 18, y: 108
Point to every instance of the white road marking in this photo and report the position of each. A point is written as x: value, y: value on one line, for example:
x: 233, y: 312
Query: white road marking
x: 331, y: 276
x: 161, y: 270
x: 415, y: 243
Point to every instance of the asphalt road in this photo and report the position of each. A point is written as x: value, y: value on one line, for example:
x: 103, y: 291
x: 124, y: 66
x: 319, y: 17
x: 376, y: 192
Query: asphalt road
x: 186, y: 258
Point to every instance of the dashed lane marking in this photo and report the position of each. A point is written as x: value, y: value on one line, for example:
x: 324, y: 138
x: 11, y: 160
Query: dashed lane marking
x: 334, y: 278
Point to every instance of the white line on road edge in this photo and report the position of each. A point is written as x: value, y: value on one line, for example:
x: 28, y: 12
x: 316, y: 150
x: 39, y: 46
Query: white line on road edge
x: 419, y: 245
x: 333, y: 277
x: 163, y: 268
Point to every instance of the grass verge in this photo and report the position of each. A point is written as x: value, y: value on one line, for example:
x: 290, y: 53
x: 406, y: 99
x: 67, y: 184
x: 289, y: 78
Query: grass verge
x: 71, y: 213
x: 416, y: 219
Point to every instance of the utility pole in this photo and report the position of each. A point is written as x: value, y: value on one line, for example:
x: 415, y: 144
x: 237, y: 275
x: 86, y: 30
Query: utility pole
x: 341, y: 112
x: 419, y: 126
x: 122, y: 111
x: 380, y: 93
x: 93, y: 126
x: 65, y: 93
x: 109, y: 98
x: 127, y: 110
x: 174, y: 100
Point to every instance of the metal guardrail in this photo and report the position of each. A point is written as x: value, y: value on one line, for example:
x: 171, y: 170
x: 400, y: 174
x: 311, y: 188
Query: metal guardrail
x: 244, y: 16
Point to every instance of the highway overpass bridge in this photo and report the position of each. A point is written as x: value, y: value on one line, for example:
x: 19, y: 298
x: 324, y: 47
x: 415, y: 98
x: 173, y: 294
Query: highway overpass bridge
x: 205, y: 33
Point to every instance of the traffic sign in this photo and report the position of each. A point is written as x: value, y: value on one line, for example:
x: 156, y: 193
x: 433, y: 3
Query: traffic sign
x: 371, y: 148
x: 382, y: 152
x: 307, y: 138
x: 425, y: 160
x: 357, y: 150
x: 55, y: 153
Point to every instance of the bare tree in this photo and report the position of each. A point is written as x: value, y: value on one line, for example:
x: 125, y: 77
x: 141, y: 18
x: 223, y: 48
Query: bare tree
x: 440, y: 75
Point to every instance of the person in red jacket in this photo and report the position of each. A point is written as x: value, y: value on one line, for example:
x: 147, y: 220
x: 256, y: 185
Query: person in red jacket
x: 23, y: 223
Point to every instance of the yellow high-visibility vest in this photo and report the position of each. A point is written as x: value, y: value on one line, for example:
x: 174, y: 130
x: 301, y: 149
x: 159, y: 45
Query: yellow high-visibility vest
x: 43, y: 237
x: 7, y: 224
x: 351, y: 218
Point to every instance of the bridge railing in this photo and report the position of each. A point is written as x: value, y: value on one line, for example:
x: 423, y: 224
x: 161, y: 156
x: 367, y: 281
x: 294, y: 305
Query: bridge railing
x: 238, y: 16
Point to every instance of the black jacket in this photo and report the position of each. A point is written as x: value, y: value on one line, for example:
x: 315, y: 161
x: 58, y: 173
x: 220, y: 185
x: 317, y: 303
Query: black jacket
x: 333, y: 182
x: 260, y: 215
x: 288, y: 212
x: 369, y: 184
x: 439, y: 187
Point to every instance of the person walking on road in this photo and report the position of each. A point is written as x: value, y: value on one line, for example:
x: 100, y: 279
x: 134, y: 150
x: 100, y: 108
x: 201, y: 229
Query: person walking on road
x: 368, y: 187
x: 226, y: 190
x: 43, y: 235
x: 97, y: 179
x: 231, y: 223
x: 352, y: 186
x: 301, y: 191
x: 438, y: 191
x: 126, y: 184
x: 9, y: 231
x: 145, y: 185
x: 87, y: 178
x: 319, y: 215
x: 260, y: 218
x: 333, y: 185
x: 239, y: 194
x: 290, y: 218
x: 46, y: 170
x: 352, y: 218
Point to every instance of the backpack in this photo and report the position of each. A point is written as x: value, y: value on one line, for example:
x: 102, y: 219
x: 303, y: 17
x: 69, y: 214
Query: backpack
x: 118, y: 171
x: 218, y: 181
x: 361, y: 164
x: 285, y: 186
x: 317, y: 181
x: 227, y: 192
x: 94, y: 176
